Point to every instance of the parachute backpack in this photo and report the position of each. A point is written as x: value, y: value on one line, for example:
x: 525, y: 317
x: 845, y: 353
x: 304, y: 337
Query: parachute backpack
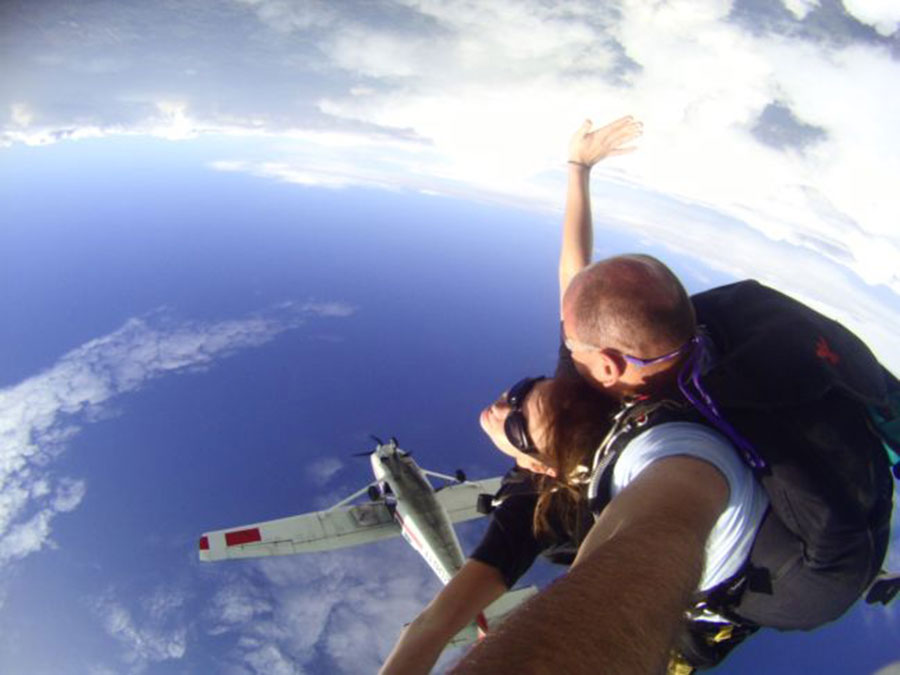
x: 817, y: 418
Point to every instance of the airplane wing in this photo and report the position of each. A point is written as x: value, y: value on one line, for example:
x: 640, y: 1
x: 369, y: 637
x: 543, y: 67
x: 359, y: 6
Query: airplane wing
x: 461, y: 499
x: 340, y: 526
x: 337, y: 527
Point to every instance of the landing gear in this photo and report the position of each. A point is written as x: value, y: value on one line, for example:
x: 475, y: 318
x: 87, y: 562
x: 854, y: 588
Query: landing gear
x: 460, y: 476
x: 374, y: 493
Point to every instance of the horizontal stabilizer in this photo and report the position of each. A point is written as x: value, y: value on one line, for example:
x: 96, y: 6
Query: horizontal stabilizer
x: 495, y: 613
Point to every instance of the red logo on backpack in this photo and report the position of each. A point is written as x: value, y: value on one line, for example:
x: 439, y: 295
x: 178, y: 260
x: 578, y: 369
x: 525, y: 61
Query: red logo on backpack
x: 823, y: 351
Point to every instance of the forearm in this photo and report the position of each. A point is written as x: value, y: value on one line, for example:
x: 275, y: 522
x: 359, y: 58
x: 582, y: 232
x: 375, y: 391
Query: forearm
x: 587, y: 147
x: 618, y: 608
x: 615, y: 612
x: 577, y: 234
x: 419, y: 647
x: 472, y: 589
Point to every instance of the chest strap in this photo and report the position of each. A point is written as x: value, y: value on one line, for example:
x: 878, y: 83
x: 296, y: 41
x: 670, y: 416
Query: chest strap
x: 636, y: 415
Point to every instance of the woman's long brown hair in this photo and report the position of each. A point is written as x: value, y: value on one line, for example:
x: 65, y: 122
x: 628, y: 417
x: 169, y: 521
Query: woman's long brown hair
x: 577, y: 418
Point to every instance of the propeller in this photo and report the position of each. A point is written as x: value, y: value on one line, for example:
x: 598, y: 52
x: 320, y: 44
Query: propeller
x: 391, y: 441
x: 369, y: 452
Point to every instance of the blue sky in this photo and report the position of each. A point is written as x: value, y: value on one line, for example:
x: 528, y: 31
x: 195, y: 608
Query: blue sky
x: 237, y: 238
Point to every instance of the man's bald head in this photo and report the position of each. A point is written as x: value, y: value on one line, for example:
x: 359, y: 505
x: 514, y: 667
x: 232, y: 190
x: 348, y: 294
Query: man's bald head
x: 633, y: 303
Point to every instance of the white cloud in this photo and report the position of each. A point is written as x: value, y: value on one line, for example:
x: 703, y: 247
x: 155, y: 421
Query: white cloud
x: 174, y: 124
x: 25, y: 537
x: 100, y: 669
x: 267, y: 659
x: 163, y: 602
x: 40, y: 488
x: 316, y: 171
x: 291, y: 16
x: 20, y: 115
x: 334, y: 612
x: 152, y: 637
x: 323, y: 470
x: 69, y: 494
x: 882, y: 15
x: 237, y: 602
x: 40, y: 414
x: 889, y: 669
x: 800, y: 8
x: 329, y: 309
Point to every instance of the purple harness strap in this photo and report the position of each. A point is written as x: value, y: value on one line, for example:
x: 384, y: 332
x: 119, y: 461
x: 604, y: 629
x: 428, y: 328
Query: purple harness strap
x: 689, y: 378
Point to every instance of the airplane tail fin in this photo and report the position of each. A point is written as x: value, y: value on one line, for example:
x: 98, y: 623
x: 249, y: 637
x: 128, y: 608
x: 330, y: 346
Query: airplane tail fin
x: 494, y: 614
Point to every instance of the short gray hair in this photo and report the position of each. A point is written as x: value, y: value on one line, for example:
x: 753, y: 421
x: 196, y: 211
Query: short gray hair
x: 633, y: 303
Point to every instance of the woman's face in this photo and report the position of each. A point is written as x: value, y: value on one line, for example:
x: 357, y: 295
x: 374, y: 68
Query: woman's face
x: 493, y: 418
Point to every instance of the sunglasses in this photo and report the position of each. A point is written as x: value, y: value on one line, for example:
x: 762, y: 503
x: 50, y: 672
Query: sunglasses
x: 576, y: 346
x: 516, y: 426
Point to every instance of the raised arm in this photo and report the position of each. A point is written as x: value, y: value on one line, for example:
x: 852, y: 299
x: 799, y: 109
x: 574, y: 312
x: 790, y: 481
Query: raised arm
x: 618, y: 608
x: 586, y: 148
x: 472, y: 589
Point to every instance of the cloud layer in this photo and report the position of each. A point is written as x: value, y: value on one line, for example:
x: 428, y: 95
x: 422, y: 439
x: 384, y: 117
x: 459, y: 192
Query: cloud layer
x: 153, y: 632
x: 779, y: 118
x: 39, y: 415
x: 332, y: 612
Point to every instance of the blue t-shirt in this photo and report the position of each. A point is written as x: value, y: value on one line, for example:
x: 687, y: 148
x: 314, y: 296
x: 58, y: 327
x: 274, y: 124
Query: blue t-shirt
x: 732, y: 537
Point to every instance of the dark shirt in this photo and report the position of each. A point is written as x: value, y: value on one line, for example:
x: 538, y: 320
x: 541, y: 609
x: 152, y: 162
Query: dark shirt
x: 509, y: 543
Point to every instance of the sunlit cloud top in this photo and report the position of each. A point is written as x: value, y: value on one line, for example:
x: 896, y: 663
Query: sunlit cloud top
x: 777, y: 117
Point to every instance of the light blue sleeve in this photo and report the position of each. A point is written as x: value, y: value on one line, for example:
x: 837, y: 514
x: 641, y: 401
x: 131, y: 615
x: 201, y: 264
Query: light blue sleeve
x: 732, y: 536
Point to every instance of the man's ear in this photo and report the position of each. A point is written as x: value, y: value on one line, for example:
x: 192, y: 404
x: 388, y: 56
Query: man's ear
x: 606, y: 369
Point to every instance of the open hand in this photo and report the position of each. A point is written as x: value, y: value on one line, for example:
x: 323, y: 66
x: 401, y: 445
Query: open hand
x: 588, y: 147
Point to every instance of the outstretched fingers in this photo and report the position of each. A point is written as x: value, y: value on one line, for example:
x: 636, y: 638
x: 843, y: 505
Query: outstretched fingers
x: 626, y: 130
x: 589, y: 146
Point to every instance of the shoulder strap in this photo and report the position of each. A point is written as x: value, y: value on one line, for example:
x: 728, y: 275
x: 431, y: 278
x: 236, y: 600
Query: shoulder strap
x: 634, y: 416
x: 515, y: 482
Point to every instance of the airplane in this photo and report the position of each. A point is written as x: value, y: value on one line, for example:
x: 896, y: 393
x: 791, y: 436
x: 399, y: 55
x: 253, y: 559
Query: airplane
x: 402, y: 502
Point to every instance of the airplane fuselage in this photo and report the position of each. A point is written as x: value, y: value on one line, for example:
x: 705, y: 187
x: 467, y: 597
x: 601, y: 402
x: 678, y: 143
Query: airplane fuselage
x: 423, y: 522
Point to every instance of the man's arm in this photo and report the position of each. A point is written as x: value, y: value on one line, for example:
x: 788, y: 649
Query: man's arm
x: 473, y: 588
x: 586, y: 149
x: 619, y: 607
